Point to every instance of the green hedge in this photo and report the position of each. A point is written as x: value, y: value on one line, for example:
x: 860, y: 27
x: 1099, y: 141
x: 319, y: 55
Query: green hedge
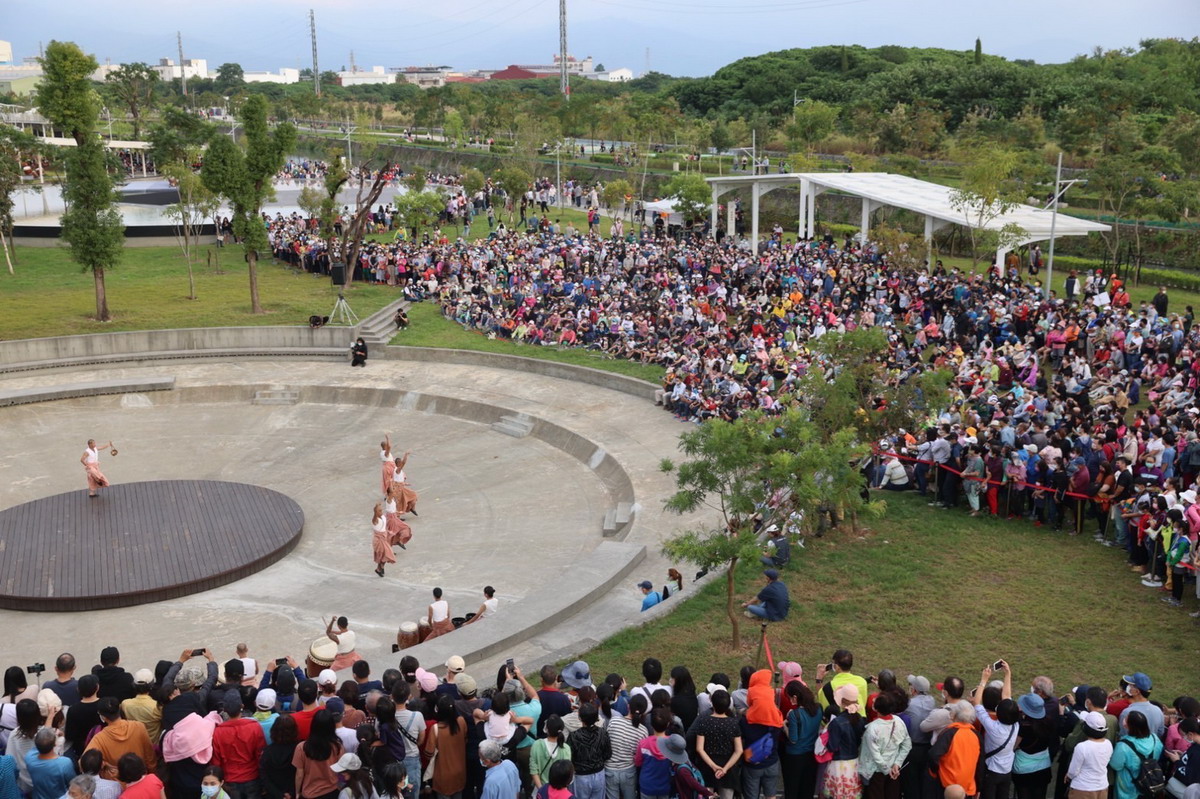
x: 1189, y: 281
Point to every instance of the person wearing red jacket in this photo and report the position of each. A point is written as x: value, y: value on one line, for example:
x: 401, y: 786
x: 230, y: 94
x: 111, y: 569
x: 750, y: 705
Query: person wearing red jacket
x: 237, y: 747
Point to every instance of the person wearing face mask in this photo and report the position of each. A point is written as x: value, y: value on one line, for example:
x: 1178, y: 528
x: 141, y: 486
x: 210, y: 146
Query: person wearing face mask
x: 212, y: 785
x: 501, y: 780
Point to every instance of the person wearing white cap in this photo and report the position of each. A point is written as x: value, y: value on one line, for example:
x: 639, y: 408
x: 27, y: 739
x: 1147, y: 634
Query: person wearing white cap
x: 326, y: 681
x: 264, y: 710
x: 1088, y: 772
x: 143, y: 707
x: 358, y: 779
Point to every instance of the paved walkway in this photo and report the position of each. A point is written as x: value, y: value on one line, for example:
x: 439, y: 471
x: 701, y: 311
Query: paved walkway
x: 515, y: 513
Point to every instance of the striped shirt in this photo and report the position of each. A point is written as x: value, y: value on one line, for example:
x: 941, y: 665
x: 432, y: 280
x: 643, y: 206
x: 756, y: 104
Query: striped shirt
x: 624, y: 738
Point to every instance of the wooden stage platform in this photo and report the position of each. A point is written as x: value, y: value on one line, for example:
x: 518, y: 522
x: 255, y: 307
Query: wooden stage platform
x: 140, y: 542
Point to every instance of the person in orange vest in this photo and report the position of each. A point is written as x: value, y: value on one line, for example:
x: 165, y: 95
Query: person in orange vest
x: 955, y: 754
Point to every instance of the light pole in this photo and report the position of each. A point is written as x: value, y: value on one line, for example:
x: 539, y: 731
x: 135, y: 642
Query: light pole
x: 1059, y: 190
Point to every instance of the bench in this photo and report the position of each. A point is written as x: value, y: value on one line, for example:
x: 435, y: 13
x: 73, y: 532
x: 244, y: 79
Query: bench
x: 22, y: 396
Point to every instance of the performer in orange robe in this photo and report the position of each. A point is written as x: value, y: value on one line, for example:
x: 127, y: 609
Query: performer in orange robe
x: 399, y: 533
x: 91, y: 465
x: 381, y: 547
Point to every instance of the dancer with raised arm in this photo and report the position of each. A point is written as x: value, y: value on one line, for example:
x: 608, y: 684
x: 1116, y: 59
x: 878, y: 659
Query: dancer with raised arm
x: 406, y: 498
x: 91, y: 465
x: 388, y: 462
x: 399, y: 533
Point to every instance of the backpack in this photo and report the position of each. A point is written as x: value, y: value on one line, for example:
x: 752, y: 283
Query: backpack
x: 675, y: 769
x: 761, y: 750
x: 1149, y: 781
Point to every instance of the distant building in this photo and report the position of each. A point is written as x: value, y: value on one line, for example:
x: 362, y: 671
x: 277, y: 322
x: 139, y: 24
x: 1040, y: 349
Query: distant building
x: 285, y: 75
x: 6, y: 53
x: 610, y: 75
x: 377, y: 75
x: 429, y: 77
x: 103, y: 71
x: 20, y: 82
x: 191, y: 68
x: 515, y: 72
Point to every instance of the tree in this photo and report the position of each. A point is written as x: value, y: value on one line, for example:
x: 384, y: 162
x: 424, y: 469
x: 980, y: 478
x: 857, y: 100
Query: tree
x: 244, y: 178
x: 472, y: 180
x: 13, y: 143
x: 91, y: 224
x: 133, y: 87
x: 987, y: 192
x: 691, y: 195
x: 453, y: 126
x: 65, y: 96
x: 229, y: 76
x: 978, y: 51
x: 753, y: 472
x: 1125, y: 182
x: 416, y: 179
x: 417, y: 209
x: 178, y: 136
x: 195, y: 205
x: 514, y: 181
x: 618, y: 194
x: 811, y: 123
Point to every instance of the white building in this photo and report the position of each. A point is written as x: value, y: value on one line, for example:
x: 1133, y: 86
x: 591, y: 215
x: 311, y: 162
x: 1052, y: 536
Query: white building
x: 168, y: 70
x: 376, y: 75
x: 285, y: 75
x: 611, y: 75
x: 6, y: 54
x: 427, y: 77
x: 102, y: 72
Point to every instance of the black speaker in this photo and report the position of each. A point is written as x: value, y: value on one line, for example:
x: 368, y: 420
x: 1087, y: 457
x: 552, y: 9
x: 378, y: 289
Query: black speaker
x: 338, y: 272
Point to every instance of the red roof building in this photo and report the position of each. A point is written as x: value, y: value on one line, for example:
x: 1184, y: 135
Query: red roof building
x: 514, y: 72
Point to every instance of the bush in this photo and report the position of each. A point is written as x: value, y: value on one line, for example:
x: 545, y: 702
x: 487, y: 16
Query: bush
x: 840, y: 144
x: 1189, y: 281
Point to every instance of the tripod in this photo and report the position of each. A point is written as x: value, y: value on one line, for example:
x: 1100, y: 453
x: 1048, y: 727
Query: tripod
x: 341, y: 313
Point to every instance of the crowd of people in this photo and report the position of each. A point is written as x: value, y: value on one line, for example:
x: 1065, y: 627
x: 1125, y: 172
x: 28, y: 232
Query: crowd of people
x: 190, y: 728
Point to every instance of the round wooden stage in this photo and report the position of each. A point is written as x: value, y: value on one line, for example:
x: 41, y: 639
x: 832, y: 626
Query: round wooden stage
x: 140, y: 542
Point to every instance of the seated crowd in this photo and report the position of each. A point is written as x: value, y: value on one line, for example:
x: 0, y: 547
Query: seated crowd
x: 190, y: 727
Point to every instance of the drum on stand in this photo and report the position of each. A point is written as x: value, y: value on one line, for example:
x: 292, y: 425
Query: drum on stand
x: 423, y: 629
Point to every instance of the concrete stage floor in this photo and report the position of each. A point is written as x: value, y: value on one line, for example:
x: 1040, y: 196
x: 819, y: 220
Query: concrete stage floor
x: 521, y: 514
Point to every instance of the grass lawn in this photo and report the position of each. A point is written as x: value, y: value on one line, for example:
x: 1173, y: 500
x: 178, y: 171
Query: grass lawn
x: 429, y: 328
x: 49, y: 296
x: 935, y: 592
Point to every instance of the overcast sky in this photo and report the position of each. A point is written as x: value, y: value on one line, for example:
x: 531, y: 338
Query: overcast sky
x: 684, y: 37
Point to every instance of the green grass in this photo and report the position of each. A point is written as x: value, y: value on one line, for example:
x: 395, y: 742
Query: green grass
x: 428, y: 328
x: 935, y: 592
x: 49, y: 296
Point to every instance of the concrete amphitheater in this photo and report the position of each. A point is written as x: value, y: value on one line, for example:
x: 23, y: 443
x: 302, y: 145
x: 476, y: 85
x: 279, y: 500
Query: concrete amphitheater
x: 540, y: 479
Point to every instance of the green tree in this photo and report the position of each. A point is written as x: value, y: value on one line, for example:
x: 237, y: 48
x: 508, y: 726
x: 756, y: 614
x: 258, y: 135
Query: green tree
x: 618, y: 194
x: 196, y: 204
x: 175, y: 138
x: 14, y: 144
x: 514, y: 181
x: 978, y: 51
x: 756, y: 471
x: 65, y: 96
x: 1125, y: 184
x: 811, y: 123
x: 987, y: 192
x: 691, y: 195
x: 416, y: 179
x: 133, y: 87
x: 472, y: 180
x: 91, y: 225
x: 229, y: 77
x: 244, y: 178
x: 418, y: 209
x: 453, y: 126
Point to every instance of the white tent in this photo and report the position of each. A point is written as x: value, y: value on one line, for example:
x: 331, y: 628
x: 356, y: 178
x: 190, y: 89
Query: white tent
x: 663, y: 207
x: 879, y: 189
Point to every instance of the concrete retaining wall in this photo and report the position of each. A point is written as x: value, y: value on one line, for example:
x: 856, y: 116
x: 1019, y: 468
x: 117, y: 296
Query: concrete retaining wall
x: 537, y: 366
x: 113, y: 346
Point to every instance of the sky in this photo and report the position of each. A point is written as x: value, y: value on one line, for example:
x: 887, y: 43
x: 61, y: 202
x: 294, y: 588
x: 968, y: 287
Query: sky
x: 678, y: 37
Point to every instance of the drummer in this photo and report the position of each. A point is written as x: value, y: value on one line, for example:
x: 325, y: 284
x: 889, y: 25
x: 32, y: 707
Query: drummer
x: 345, y: 639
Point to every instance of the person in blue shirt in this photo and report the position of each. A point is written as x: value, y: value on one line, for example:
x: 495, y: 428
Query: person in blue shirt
x: 501, y: 780
x: 50, y: 773
x: 772, y: 601
x: 650, y: 597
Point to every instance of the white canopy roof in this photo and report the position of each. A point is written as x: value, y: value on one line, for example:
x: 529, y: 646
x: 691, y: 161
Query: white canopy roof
x: 664, y: 207
x: 920, y: 196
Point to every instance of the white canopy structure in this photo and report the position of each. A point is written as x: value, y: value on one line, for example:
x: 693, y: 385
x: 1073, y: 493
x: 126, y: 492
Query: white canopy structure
x: 664, y: 207
x: 879, y: 189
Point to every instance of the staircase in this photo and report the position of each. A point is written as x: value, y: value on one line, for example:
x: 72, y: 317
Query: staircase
x: 378, y: 328
x: 617, y: 520
x: 517, y: 426
x: 276, y: 396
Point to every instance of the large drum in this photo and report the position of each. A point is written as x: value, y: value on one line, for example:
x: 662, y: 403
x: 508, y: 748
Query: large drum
x: 408, y: 635
x: 423, y: 629
x: 320, y: 656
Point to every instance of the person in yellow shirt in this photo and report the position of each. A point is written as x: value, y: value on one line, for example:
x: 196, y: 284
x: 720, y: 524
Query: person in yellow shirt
x: 839, y: 668
x: 144, y: 707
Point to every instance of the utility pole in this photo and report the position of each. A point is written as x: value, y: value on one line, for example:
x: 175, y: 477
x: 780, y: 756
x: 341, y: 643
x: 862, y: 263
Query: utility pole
x: 564, y: 77
x: 349, y: 154
x: 353, y: 66
x: 312, y: 28
x: 182, y: 73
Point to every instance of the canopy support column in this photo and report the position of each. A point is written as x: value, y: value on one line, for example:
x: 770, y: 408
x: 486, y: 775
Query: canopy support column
x: 754, y: 218
x: 713, y: 213
x: 865, y: 226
